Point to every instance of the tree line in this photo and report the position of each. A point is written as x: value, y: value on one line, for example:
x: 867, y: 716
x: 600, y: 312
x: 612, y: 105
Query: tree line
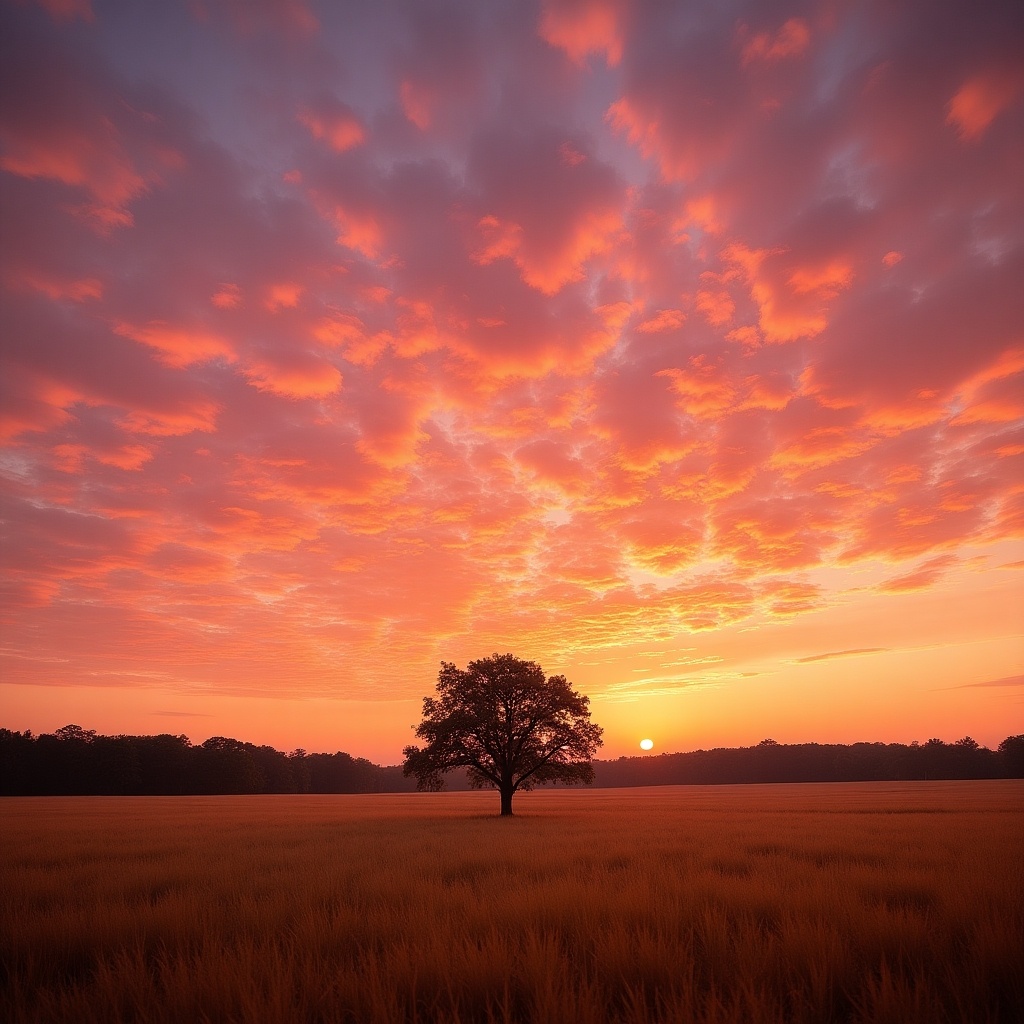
x: 769, y: 761
x: 77, y: 761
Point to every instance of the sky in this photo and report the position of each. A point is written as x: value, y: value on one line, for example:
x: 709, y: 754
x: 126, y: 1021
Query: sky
x: 676, y: 347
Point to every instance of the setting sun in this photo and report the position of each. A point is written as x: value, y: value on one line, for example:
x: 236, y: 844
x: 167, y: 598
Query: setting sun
x: 646, y: 744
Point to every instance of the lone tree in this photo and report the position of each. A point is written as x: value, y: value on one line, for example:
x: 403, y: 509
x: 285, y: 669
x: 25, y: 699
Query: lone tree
x: 509, y: 725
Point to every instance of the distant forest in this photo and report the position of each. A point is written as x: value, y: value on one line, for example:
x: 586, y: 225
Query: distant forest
x: 76, y: 761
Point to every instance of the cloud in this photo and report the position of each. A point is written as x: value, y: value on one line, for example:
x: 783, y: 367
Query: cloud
x: 981, y: 99
x: 923, y: 576
x: 178, y: 346
x: 335, y: 123
x: 547, y: 213
x: 829, y: 655
x: 663, y: 320
x: 787, y: 43
x: 1004, y: 681
x: 402, y: 332
x: 582, y: 27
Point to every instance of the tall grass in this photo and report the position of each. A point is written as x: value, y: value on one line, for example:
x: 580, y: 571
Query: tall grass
x: 882, y: 902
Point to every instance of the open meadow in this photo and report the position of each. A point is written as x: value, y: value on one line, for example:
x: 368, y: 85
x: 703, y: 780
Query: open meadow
x: 895, y: 902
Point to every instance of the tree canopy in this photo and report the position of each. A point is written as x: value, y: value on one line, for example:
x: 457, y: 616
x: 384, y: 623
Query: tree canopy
x: 511, y: 727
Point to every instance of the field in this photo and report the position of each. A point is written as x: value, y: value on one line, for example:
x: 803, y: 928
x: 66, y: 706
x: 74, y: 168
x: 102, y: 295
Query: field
x: 802, y: 903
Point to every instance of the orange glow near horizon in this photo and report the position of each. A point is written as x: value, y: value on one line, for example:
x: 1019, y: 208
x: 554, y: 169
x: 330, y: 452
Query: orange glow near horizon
x: 682, y: 356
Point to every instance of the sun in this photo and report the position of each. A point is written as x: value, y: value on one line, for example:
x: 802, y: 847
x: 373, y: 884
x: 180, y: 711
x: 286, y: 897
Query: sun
x: 646, y: 744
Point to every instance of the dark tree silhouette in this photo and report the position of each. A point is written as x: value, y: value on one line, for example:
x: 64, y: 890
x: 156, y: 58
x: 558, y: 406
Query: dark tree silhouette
x: 508, y: 725
x: 76, y: 761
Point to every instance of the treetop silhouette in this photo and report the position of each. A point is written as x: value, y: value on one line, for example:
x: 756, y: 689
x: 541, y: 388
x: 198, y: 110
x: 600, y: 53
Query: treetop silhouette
x: 511, y: 727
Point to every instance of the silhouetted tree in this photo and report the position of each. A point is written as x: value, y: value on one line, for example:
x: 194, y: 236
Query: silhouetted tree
x: 508, y: 725
x: 229, y: 766
x: 1011, y: 753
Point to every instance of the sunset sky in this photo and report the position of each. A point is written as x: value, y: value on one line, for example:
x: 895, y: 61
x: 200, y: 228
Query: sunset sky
x: 677, y: 347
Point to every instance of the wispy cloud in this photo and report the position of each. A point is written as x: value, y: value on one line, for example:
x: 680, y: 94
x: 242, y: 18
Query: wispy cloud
x: 1004, y: 681
x: 851, y: 653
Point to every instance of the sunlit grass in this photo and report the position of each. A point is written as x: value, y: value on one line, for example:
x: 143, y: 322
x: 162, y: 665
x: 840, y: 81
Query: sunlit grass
x: 883, y: 902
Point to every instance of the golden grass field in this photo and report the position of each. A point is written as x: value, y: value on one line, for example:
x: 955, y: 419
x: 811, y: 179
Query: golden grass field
x: 895, y: 902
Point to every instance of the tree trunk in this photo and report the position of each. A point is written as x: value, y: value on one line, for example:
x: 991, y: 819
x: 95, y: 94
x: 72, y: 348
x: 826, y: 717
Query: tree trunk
x: 506, y: 801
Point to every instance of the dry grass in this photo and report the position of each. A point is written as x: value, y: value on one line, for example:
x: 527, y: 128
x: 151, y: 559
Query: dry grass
x: 883, y: 902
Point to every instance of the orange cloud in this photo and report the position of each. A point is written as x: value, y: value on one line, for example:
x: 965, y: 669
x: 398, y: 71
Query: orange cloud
x: 349, y: 333
x: 825, y: 282
x: 924, y: 576
x: 704, y: 389
x: 980, y: 100
x: 549, y: 269
x: 706, y: 213
x: 792, y: 303
x: 71, y: 458
x: 418, y: 331
x: 172, y: 422
x: 582, y: 27
x: 285, y: 295
x: 417, y: 103
x: 995, y: 402
x: 624, y: 116
x: 178, y: 346
x: 358, y: 231
x: 37, y: 404
x: 786, y: 598
x: 717, y: 307
x: 53, y: 288
x: 591, y: 236
x: 73, y: 157
x: 822, y: 446
x: 130, y: 456
x: 501, y: 240
x: 294, y: 378
x: 663, y: 320
x: 747, y: 336
x: 336, y: 124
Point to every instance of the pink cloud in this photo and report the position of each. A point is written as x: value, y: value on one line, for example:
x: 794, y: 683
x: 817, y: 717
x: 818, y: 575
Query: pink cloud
x: 788, y: 42
x: 922, y: 577
x: 663, y: 320
x: 73, y: 129
x: 298, y: 377
x: 792, y: 300
x: 980, y: 100
x: 178, y: 346
x: 582, y: 27
x: 569, y: 211
x: 335, y: 123
x: 283, y: 295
